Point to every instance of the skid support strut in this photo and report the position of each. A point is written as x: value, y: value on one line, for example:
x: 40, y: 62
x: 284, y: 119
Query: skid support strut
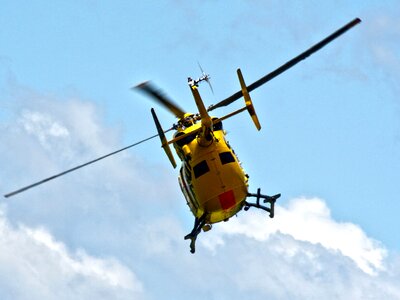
x: 266, y: 199
x: 198, y: 225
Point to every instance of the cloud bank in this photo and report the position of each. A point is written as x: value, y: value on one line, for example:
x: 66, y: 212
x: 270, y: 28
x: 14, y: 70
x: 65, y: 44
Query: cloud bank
x: 309, y: 220
x: 33, y: 265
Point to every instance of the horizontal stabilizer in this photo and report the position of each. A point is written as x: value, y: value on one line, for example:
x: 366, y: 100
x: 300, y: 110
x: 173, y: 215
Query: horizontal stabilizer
x: 247, y: 99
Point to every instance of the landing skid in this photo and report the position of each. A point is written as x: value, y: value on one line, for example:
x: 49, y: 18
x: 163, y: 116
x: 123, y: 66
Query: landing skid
x: 266, y: 199
x: 198, y: 225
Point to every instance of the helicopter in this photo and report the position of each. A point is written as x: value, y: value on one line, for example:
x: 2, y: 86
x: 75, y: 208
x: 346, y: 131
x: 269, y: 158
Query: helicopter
x: 211, y: 177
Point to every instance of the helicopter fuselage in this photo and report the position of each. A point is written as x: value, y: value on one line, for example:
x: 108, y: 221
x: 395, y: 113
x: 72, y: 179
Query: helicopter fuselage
x: 211, y: 177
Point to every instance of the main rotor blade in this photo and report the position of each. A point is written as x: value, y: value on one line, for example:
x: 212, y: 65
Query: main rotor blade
x: 78, y: 167
x: 161, y: 98
x: 288, y: 64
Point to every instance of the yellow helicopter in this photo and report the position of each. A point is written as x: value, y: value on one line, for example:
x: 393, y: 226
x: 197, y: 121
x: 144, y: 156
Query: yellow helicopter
x: 211, y: 177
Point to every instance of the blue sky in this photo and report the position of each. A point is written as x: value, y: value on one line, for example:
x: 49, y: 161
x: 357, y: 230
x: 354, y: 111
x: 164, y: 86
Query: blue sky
x: 330, y: 144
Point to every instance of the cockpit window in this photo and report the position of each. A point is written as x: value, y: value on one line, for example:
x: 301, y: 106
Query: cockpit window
x: 217, y: 125
x: 226, y: 157
x: 200, y: 169
x: 186, y: 140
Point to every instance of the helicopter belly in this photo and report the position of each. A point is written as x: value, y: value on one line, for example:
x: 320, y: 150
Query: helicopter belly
x: 225, y: 205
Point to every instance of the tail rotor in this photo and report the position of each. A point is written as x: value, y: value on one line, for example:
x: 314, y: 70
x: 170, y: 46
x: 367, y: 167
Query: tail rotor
x: 206, y: 77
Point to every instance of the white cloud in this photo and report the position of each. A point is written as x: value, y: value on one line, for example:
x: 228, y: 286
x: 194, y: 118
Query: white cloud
x: 42, y: 126
x: 310, y: 220
x: 33, y: 265
x: 241, y: 266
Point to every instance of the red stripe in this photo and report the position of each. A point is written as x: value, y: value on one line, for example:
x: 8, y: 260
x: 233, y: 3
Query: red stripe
x: 227, y: 199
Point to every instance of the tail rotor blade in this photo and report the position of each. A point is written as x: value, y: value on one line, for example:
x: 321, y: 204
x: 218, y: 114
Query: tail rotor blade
x: 209, y: 84
x: 201, y: 69
x: 206, y: 78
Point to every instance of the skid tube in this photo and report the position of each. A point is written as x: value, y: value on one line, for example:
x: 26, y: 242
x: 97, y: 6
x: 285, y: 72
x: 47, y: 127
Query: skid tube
x: 266, y: 199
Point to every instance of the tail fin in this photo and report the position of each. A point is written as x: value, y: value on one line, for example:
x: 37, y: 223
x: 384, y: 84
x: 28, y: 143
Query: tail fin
x: 205, y: 136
